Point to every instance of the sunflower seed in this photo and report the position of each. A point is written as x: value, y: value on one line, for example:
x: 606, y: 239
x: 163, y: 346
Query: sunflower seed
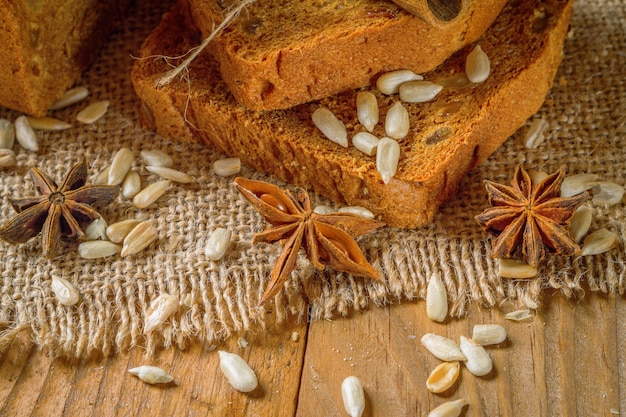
x: 103, y: 176
x: 537, y: 176
x: 151, y: 374
x: 156, y: 158
x: 518, y: 315
x: 607, y: 193
x: 131, y: 184
x: 442, y: 347
x: 139, y: 238
x: 242, y: 343
x: 330, y: 126
x: 93, y: 112
x: 120, y: 165
x: 580, y: 223
x: 96, y: 229
x: 535, y: 135
x: 353, y: 396
x: 390, y: 82
x: 118, y: 231
x: 25, y: 134
x: 477, y: 65
x: 7, y: 158
x: 161, y: 308
x: 367, y: 109
x: 488, y: 334
x: 449, y: 409
x: 227, y: 166
x: 436, y: 299
x: 478, y: 360
x: 366, y: 143
x: 443, y: 377
x: 170, y: 174
x: 599, y: 242
x: 516, y: 269
x: 357, y: 210
x: 7, y: 134
x: 65, y: 292
x: 217, y: 244
x: 48, y: 123
x: 71, y: 96
x: 419, y: 91
x: 323, y: 209
x: 397, y: 121
x: 95, y: 249
x: 294, y: 336
x: 237, y: 371
x: 150, y: 194
x: 577, y: 184
x: 387, y: 157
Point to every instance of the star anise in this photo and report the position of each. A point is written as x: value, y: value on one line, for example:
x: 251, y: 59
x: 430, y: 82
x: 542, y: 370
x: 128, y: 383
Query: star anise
x: 534, y: 217
x: 58, y: 211
x: 326, y: 238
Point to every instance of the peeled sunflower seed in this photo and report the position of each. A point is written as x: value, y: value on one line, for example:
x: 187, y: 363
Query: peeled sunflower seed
x: 7, y: 158
x: 580, y: 223
x: 237, y: 371
x: 96, y: 229
x: 599, y: 242
x: 353, y: 396
x: 607, y: 193
x: 71, y: 96
x: 365, y: 142
x: 93, y: 112
x: 443, y: 377
x: 488, y: 334
x: 103, y: 176
x: 170, y: 174
x: 161, y: 308
x: 577, y: 184
x: 397, y: 121
x: 139, y: 238
x: 150, y: 194
x: 387, y: 157
x: 7, y: 134
x: 131, y: 184
x: 478, y: 360
x: 154, y: 157
x: 390, y: 82
x: 151, y: 374
x: 48, y: 123
x: 442, y: 347
x: 367, y: 109
x: 357, y: 210
x: 436, y: 299
x: 518, y: 315
x: 116, y: 232
x: 65, y: 291
x: 537, y: 176
x: 535, y: 135
x: 95, y: 249
x: 516, y: 269
x: 419, y: 91
x: 227, y: 166
x: 449, y: 409
x: 477, y: 65
x: 323, y: 209
x: 25, y: 134
x: 217, y: 244
x: 120, y: 165
x: 330, y: 126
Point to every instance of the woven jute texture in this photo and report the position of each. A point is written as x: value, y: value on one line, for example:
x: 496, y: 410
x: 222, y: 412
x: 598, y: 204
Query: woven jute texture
x: 586, y: 113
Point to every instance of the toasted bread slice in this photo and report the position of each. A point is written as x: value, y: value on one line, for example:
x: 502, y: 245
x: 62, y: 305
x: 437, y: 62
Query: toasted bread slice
x: 448, y: 136
x: 280, y: 54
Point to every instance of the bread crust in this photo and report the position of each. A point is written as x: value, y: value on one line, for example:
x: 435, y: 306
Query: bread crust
x: 448, y: 137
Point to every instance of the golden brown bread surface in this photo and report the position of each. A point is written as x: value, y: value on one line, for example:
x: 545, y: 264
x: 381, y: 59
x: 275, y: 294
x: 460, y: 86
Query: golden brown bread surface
x: 46, y: 45
x: 280, y: 54
x: 449, y: 135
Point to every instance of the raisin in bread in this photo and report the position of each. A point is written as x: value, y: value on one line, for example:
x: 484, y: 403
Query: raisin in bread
x: 448, y: 136
x: 280, y: 54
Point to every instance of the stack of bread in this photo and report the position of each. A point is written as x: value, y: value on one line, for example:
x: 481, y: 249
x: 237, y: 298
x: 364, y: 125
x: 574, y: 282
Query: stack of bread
x: 254, y: 91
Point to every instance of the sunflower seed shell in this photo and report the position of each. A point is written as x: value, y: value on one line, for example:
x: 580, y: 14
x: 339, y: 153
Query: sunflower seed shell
x: 443, y: 377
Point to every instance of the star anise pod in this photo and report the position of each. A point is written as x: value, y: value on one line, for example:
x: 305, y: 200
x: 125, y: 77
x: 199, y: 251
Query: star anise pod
x: 533, y: 217
x: 58, y: 211
x: 326, y: 238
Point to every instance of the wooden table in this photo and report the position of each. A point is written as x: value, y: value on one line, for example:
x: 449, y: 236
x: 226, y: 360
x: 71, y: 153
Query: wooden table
x: 569, y: 360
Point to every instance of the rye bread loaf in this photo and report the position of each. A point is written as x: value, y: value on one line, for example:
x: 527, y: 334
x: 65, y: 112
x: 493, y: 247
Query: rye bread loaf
x: 46, y: 45
x: 280, y: 54
x: 448, y: 136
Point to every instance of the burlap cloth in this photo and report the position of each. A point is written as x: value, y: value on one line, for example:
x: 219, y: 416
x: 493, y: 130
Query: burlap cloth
x: 586, y: 112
